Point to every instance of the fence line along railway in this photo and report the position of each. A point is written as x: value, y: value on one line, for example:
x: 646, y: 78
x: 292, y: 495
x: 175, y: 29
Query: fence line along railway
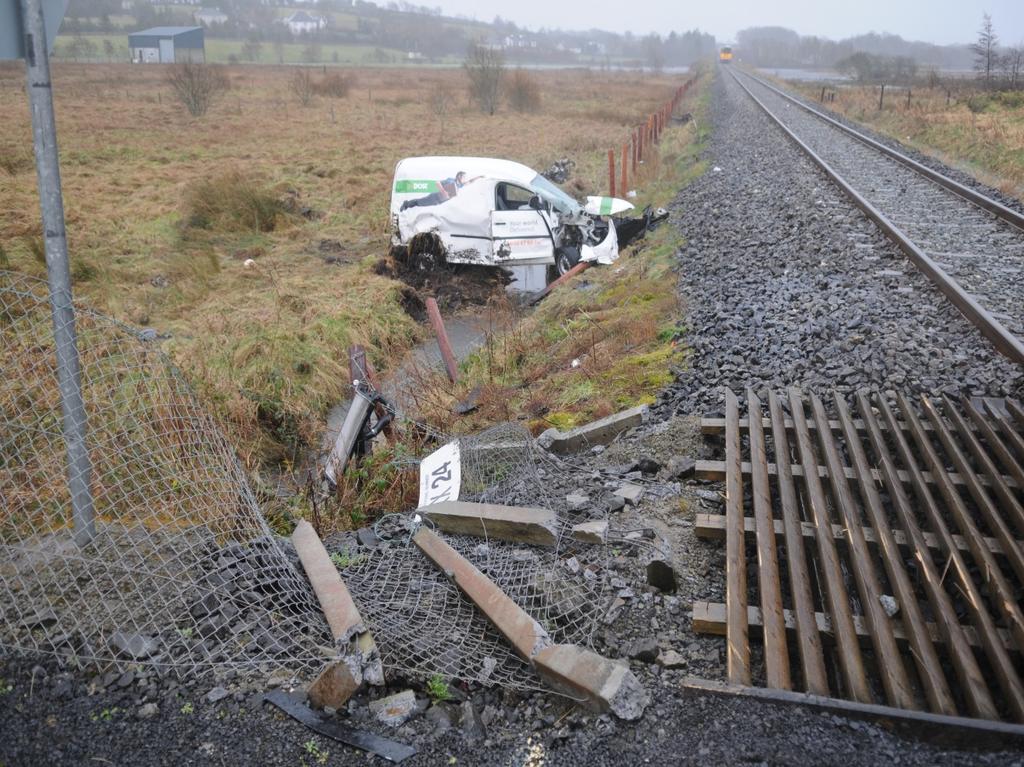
x: 970, y: 246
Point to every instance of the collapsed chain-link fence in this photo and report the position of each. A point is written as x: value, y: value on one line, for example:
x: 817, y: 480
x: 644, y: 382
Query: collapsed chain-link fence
x: 182, y: 571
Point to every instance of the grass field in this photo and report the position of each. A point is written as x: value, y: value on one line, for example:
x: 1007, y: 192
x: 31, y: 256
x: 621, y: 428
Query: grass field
x: 266, y: 345
x: 220, y: 51
x: 979, y: 132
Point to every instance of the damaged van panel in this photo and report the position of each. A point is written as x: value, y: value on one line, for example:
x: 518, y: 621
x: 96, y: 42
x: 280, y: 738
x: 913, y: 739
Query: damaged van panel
x: 500, y: 213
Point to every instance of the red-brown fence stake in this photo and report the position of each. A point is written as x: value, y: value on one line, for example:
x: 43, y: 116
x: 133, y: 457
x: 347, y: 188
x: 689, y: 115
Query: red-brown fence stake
x: 635, y: 153
x: 442, y: 340
x: 611, y: 172
x: 624, y: 179
x: 640, y: 144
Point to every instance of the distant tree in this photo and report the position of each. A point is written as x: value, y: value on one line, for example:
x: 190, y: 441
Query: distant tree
x: 301, y: 84
x: 197, y: 85
x: 279, y: 51
x: 251, y: 49
x: 485, y: 67
x: 442, y: 100
x: 984, y: 50
x: 523, y: 91
x: 654, y: 52
x: 312, y: 53
x: 82, y: 48
x: 1012, y: 64
x: 108, y: 50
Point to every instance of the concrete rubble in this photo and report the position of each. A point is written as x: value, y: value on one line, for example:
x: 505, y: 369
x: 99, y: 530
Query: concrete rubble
x: 602, y: 684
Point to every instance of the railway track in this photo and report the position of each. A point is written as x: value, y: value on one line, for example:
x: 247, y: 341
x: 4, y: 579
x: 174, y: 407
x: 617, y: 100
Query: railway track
x: 970, y: 246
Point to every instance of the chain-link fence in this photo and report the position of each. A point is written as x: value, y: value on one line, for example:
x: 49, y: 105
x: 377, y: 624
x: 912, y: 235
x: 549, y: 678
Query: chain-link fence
x: 183, y: 572
x: 181, y: 569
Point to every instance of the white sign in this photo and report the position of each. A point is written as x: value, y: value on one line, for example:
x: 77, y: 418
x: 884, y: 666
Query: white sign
x: 440, y: 475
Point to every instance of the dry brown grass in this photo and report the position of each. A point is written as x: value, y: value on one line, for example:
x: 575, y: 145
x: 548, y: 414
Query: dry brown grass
x: 986, y: 140
x: 265, y: 345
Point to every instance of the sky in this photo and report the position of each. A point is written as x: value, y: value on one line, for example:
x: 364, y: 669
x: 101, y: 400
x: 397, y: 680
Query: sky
x: 936, y: 21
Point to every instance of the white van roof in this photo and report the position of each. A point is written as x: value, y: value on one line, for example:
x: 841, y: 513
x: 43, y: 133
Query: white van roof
x: 437, y: 168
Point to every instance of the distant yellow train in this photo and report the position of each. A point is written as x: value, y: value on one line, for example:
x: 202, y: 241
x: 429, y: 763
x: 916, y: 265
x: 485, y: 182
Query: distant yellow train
x: 725, y: 55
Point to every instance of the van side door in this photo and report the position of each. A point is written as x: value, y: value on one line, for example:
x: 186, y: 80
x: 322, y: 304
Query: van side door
x: 519, y: 233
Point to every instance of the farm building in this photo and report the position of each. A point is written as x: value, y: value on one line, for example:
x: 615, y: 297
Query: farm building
x: 165, y: 45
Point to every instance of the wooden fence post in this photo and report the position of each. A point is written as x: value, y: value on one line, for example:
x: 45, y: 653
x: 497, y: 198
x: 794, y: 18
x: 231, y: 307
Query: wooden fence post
x: 611, y: 172
x: 624, y: 179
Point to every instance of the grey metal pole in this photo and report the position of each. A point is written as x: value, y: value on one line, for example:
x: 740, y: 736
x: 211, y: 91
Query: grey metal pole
x: 58, y: 272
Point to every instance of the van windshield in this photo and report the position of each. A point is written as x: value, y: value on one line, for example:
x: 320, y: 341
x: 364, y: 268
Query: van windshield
x: 558, y: 199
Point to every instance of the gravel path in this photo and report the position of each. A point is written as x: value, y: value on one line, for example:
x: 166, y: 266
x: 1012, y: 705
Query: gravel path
x: 982, y: 252
x: 787, y: 283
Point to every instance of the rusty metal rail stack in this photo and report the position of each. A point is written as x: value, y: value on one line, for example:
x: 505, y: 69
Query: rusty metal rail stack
x: 877, y: 553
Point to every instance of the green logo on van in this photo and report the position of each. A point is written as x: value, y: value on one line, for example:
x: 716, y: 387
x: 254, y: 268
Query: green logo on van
x: 415, y: 186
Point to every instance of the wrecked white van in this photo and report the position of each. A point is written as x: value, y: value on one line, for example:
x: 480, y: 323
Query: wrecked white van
x: 476, y: 210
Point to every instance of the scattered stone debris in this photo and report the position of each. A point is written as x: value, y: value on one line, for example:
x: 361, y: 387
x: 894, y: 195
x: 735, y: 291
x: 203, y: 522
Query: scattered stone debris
x: 134, y: 646
x: 889, y: 604
x: 630, y: 493
x: 394, y: 710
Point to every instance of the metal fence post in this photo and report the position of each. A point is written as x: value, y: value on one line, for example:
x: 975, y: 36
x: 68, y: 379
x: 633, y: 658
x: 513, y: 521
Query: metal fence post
x: 44, y: 136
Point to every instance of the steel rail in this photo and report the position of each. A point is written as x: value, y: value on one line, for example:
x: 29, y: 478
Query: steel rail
x: 1002, y: 339
x: 986, y: 203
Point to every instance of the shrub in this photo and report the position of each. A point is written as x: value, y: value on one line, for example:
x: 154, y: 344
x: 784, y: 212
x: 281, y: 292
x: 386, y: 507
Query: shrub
x: 197, y: 85
x: 232, y: 202
x: 335, y: 86
x: 485, y: 67
x: 523, y: 92
x: 301, y: 84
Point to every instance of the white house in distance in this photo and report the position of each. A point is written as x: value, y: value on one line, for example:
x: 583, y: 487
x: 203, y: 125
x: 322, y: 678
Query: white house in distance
x: 210, y: 16
x: 300, y: 22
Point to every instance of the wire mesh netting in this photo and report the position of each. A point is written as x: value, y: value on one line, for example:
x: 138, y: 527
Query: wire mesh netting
x: 423, y: 624
x: 183, y: 572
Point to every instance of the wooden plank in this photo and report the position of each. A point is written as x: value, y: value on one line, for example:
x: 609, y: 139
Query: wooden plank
x: 965, y: 665
x: 738, y: 647
x: 1016, y: 411
x: 710, y: 618
x: 1007, y: 500
x: 712, y: 527
x: 937, y: 730
x: 937, y: 692
x: 1013, y: 439
x: 895, y: 681
x: 995, y: 583
x: 850, y: 661
x: 715, y: 470
x: 776, y: 657
x: 993, y: 517
x: 812, y: 661
x: 975, y: 603
x: 994, y: 443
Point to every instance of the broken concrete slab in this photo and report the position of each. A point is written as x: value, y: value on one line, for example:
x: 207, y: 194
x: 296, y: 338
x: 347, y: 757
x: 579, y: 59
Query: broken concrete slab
x: 334, y: 686
x: 577, y: 501
x: 591, y: 532
x: 518, y: 524
x: 394, y: 710
x: 355, y: 644
x: 524, y: 633
x: 602, y: 684
x: 599, y: 432
x: 605, y: 685
x: 630, y: 493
